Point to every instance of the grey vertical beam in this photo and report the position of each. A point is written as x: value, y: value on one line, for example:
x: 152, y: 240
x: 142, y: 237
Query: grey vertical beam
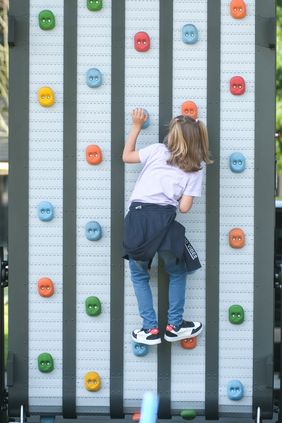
x: 69, y: 209
x: 117, y: 209
x: 264, y: 207
x: 212, y: 209
x: 165, y: 115
x: 18, y: 208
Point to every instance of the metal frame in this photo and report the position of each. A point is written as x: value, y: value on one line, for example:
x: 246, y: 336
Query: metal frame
x: 69, y: 209
x: 165, y: 115
x: 212, y: 210
x: 117, y: 209
x: 17, y: 366
x: 264, y: 206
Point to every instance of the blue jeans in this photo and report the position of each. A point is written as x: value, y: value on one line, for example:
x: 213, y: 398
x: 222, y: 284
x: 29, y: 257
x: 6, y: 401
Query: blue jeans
x: 177, y: 284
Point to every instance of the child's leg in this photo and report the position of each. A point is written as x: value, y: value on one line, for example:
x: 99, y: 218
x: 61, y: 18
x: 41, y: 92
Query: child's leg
x: 140, y: 278
x: 177, y: 286
x: 177, y: 328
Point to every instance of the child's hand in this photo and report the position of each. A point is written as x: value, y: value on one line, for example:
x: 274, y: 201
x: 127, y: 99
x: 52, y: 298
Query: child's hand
x: 138, y: 117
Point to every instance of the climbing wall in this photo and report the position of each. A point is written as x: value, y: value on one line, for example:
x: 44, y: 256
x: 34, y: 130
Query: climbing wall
x: 237, y: 149
x: 184, y: 366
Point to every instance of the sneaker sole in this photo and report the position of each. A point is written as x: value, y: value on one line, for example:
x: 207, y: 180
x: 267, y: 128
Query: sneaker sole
x: 181, y: 337
x: 147, y: 342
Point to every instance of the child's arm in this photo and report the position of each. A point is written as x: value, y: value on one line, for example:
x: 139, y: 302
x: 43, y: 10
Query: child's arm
x: 185, y: 203
x: 130, y: 154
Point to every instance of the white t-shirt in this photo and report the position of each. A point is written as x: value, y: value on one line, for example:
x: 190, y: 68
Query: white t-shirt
x: 161, y: 183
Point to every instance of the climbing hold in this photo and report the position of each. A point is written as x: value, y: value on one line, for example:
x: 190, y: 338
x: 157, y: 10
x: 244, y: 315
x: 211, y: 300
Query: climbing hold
x: 45, y: 211
x: 93, y: 78
x: 236, y: 314
x: 189, y: 108
x: 136, y: 416
x: 45, y: 287
x: 190, y: 34
x: 189, y: 343
x: 46, y: 20
x: 236, y: 238
x: 148, y: 121
x: 45, y: 363
x: 94, y: 5
x: 141, y: 41
x: 93, y: 231
x: 235, y: 390
x: 47, y: 419
x: 237, y: 162
x: 188, y: 414
x: 93, y: 154
x: 93, y: 306
x: 92, y: 381
x: 237, y: 85
x: 46, y: 96
x: 140, y: 350
x: 238, y: 9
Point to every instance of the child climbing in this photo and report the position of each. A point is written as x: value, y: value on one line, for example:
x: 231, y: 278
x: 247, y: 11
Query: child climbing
x: 170, y: 178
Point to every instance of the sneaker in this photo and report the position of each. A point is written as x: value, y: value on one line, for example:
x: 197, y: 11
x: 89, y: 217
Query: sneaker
x: 147, y: 336
x: 183, y: 331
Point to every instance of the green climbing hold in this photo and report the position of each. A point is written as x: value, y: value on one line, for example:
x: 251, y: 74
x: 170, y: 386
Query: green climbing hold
x: 94, y: 5
x: 188, y: 414
x: 45, y: 363
x: 93, y: 306
x: 236, y: 314
x: 46, y: 20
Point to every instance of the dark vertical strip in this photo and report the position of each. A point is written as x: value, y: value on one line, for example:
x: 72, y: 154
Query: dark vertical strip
x: 165, y: 113
x: 212, y: 209
x: 18, y: 206
x: 69, y: 209
x: 264, y: 208
x: 117, y: 209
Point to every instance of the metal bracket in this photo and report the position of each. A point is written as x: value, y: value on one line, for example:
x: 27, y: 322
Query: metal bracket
x: 266, y: 32
x: 3, y: 270
x: 11, y: 30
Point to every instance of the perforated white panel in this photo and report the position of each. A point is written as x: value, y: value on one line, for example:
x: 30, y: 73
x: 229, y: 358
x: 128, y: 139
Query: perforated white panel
x: 141, y: 90
x: 236, y: 206
x: 93, y: 201
x: 190, y: 83
x: 45, y: 184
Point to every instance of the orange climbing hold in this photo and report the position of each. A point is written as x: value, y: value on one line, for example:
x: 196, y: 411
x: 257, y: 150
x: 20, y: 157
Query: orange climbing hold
x: 45, y: 287
x: 93, y: 154
x: 189, y: 343
x: 236, y: 238
x: 238, y: 9
x: 189, y: 108
x: 136, y: 416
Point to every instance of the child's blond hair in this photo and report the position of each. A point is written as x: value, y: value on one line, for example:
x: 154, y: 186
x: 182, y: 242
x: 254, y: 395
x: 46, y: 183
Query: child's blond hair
x: 187, y: 141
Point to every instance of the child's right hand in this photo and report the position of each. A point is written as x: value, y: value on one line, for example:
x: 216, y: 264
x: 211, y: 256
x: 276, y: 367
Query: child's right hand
x: 138, y: 117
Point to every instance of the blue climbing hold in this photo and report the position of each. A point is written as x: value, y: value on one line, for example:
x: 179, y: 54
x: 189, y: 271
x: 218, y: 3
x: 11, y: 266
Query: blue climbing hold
x: 148, y: 121
x: 235, y: 390
x: 140, y: 350
x: 93, y: 78
x: 47, y: 419
x: 45, y: 211
x: 93, y: 231
x: 237, y: 162
x: 190, y: 34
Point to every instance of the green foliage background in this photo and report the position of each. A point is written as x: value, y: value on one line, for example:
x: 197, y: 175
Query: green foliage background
x: 279, y: 87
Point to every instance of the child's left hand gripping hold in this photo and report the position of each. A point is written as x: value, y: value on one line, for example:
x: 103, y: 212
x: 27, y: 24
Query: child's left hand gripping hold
x: 130, y: 154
